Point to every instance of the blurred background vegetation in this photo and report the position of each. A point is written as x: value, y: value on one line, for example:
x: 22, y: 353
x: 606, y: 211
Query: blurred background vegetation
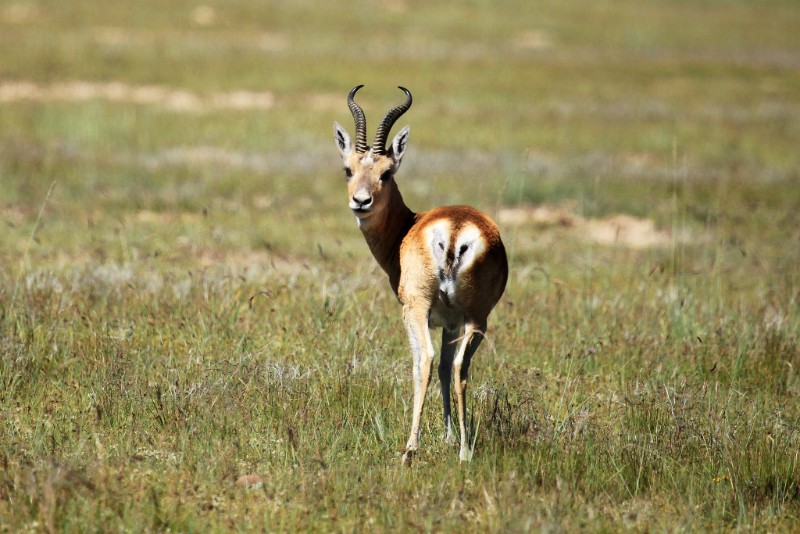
x: 184, y: 298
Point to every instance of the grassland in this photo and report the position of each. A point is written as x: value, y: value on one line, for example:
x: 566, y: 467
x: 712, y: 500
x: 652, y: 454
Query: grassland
x: 185, y: 300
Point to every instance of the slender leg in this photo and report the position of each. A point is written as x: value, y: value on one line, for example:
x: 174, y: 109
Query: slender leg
x: 473, y: 335
x: 416, y: 320
x: 449, y: 346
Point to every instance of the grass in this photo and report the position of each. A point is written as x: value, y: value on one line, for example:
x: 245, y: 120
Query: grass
x: 184, y: 298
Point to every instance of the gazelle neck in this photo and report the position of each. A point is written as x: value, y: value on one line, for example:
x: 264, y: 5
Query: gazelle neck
x: 385, y: 234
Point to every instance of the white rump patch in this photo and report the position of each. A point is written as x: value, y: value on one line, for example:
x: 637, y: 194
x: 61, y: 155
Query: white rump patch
x: 439, y: 240
x: 453, y: 254
x: 469, y: 245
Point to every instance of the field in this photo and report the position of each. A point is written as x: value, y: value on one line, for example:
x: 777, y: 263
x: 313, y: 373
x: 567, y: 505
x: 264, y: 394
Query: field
x: 195, y: 337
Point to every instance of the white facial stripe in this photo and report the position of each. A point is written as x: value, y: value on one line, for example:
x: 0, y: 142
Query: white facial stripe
x: 367, y: 159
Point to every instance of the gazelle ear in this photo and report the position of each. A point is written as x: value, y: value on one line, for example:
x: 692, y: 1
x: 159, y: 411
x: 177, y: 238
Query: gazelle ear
x: 399, y: 145
x: 343, y: 142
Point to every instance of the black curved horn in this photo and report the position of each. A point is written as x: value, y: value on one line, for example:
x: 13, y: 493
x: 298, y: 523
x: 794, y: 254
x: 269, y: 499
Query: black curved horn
x: 360, y: 120
x: 379, y: 146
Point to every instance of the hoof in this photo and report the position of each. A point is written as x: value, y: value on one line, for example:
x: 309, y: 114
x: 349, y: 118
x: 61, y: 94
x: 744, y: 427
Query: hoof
x: 408, y: 457
x: 465, y: 455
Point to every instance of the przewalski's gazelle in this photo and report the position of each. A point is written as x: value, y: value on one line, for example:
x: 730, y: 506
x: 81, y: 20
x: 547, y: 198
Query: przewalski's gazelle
x: 447, y: 266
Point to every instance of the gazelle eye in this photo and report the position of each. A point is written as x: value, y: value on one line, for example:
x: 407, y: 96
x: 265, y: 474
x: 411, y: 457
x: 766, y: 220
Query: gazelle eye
x: 348, y: 172
x: 386, y: 176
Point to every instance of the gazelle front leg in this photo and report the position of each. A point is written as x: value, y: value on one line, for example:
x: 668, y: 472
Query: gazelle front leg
x: 473, y: 335
x: 419, y: 337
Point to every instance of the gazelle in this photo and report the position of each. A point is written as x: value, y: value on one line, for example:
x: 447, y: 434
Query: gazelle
x: 447, y: 266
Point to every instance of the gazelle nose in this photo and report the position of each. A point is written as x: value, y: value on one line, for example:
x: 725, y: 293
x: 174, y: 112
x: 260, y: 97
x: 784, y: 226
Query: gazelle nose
x: 362, y: 201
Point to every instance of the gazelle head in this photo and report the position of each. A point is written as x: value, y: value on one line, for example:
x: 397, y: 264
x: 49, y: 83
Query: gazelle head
x: 370, y: 171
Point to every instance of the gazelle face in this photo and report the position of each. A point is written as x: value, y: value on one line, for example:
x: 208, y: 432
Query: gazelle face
x: 370, y: 171
x: 370, y: 177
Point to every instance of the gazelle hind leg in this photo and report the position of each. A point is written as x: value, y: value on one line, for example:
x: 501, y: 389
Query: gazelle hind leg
x: 419, y: 337
x: 449, y: 345
x: 473, y: 335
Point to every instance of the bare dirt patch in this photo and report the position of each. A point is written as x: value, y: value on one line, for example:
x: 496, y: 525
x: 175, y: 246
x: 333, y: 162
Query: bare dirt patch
x: 615, y: 230
x: 625, y: 230
x: 20, y: 13
x: 533, y: 40
x: 126, y: 37
x: 173, y: 99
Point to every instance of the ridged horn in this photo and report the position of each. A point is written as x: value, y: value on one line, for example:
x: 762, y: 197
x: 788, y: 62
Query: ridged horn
x: 379, y: 146
x: 360, y: 120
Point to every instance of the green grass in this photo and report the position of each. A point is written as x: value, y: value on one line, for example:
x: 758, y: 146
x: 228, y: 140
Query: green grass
x: 184, y: 298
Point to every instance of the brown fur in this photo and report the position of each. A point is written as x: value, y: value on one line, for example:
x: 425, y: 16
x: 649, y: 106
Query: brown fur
x: 483, y: 283
x: 437, y: 287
